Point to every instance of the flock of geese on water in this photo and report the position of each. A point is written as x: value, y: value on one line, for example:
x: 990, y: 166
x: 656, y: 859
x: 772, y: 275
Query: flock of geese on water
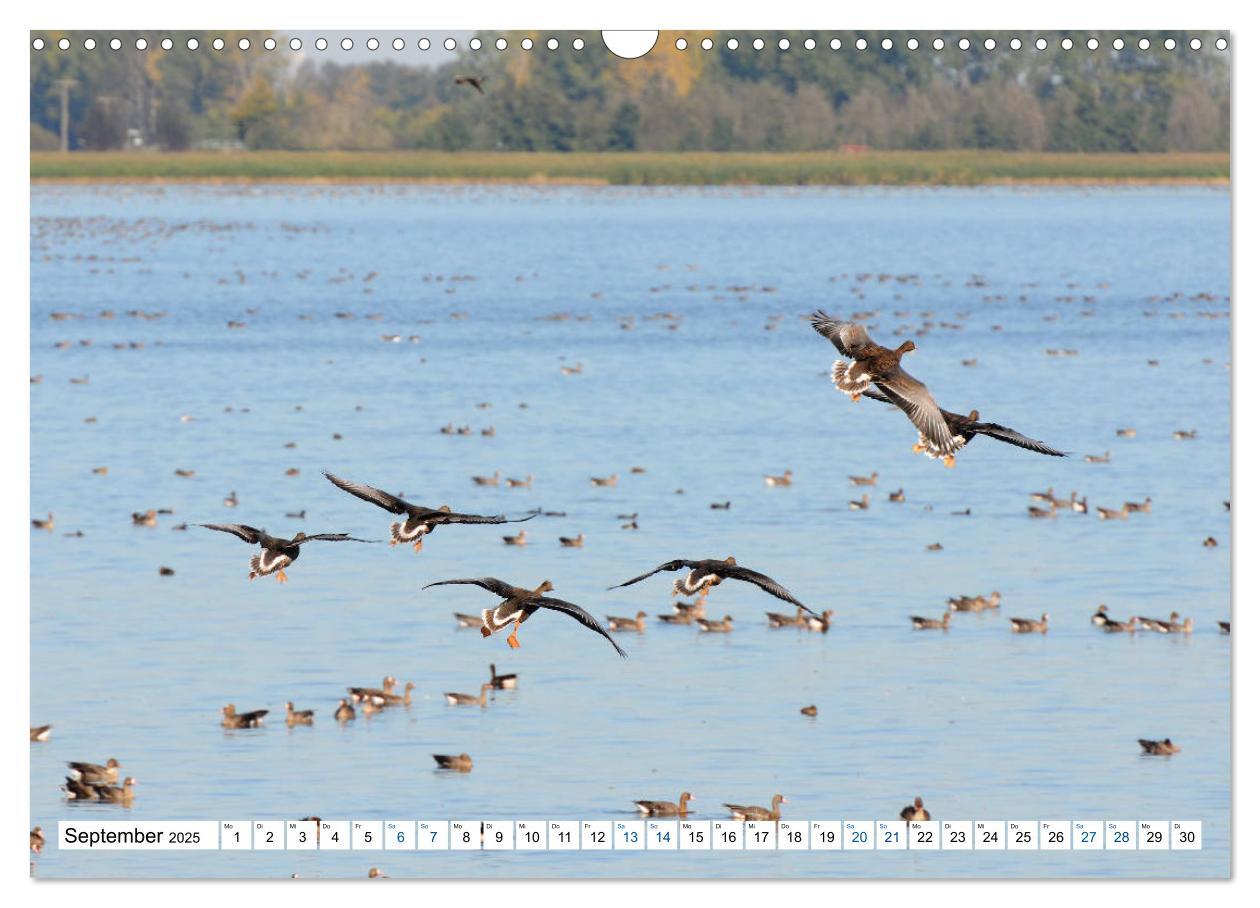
x: 866, y: 369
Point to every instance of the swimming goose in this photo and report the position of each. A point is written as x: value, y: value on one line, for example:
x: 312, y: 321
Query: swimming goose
x: 487, y: 480
x: 40, y: 733
x: 1160, y: 627
x: 715, y: 627
x: 233, y: 719
x: 709, y: 572
x: 375, y: 694
x: 665, y: 808
x: 740, y: 812
x: 1109, y: 514
x: 519, y: 604
x: 526, y: 483
x: 810, y: 711
x: 392, y: 699
x: 819, y: 623
x: 120, y: 794
x: 915, y: 811
x: 967, y: 428
x: 784, y: 480
x: 453, y: 699
x: 684, y: 613
x: 861, y: 505
x: 1047, y: 496
x: 49, y: 523
x: 94, y: 773
x: 864, y: 480
x: 1120, y: 627
x: 277, y: 554
x: 345, y: 712
x: 518, y: 539
x: 1164, y: 748
x: 573, y: 542
x: 1210, y: 543
x: 298, y: 716
x: 144, y: 518
x: 501, y: 682
x: 777, y: 619
x: 457, y: 763
x: 605, y: 481
x: 1144, y: 507
x: 627, y: 624
x: 975, y: 603
x: 1081, y: 505
x: 897, y: 496
x: 1029, y: 626
x: 1105, y: 457
x: 419, y: 520
x: 873, y: 364
x: 923, y: 624
x: 1100, y: 617
x: 1042, y: 513
x: 1186, y: 434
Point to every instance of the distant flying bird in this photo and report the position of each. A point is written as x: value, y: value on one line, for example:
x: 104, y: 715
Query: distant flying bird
x: 419, y: 520
x: 474, y: 81
x: 277, y: 554
x: 880, y: 366
x: 968, y: 427
x: 709, y: 572
x: 519, y: 604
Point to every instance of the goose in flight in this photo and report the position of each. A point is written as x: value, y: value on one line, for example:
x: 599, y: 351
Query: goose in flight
x: 519, y: 604
x: 277, y: 554
x: 419, y: 520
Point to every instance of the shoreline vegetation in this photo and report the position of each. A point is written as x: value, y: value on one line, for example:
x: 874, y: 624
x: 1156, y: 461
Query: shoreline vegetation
x: 850, y: 168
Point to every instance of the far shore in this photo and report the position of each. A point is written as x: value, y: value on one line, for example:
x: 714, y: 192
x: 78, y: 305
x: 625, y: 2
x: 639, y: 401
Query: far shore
x: 861, y: 168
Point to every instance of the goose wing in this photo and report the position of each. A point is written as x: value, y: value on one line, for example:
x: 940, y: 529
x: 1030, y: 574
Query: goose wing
x: 667, y: 566
x: 378, y: 497
x: 449, y: 517
x: 494, y: 585
x: 579, y: 613
x: 239, y: 530
x: 848, y: 337
x: 913, y: 397
x: 1011, y: 437
x: 773, y: 587
x: 327, y: 537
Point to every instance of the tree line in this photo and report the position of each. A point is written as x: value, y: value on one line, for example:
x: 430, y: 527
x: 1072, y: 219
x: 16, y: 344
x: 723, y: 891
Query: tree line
x: 1105, y: 100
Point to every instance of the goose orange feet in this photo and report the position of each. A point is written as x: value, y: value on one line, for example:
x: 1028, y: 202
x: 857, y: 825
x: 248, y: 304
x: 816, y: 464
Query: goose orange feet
x: 855, y: 397
x: 949, y: 460
x: 419, y: 544
x: 282, y: 577
x: 512, y: 641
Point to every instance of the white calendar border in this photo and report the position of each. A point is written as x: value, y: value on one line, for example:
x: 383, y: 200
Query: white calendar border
x: 917, y: 14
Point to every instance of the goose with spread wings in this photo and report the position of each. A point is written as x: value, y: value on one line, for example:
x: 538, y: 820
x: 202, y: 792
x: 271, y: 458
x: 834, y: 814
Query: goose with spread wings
x: 866, y: 363
x: 709, y: 572
x: 419, y: 520
x: 277, y: 554
x: 519, y: 604
x: 968, y: 427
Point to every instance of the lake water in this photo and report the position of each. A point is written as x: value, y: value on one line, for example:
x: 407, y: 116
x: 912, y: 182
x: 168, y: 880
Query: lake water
x: 980, y: 722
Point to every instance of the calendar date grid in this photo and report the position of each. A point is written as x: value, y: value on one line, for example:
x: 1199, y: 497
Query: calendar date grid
x: 650, y: 834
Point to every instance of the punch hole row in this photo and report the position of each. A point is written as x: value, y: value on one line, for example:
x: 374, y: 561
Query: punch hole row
x: 501, y: 44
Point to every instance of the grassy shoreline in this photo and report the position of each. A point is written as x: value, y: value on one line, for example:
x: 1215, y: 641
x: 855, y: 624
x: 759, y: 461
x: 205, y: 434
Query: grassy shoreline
x: 869, y: 168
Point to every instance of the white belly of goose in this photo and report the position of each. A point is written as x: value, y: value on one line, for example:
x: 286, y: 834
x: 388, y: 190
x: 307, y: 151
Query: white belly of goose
x: 266, y: 562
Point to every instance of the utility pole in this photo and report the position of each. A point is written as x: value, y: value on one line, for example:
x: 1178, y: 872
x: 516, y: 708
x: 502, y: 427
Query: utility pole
x: 64, y: 86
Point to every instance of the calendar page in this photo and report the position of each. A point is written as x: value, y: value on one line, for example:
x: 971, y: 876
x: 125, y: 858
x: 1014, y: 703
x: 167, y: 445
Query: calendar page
x: 706, y: 454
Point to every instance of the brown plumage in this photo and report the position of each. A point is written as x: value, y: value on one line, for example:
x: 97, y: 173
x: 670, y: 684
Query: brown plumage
x: 233, y: 719
x: 1164, y: 748
x: 869, y: 363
